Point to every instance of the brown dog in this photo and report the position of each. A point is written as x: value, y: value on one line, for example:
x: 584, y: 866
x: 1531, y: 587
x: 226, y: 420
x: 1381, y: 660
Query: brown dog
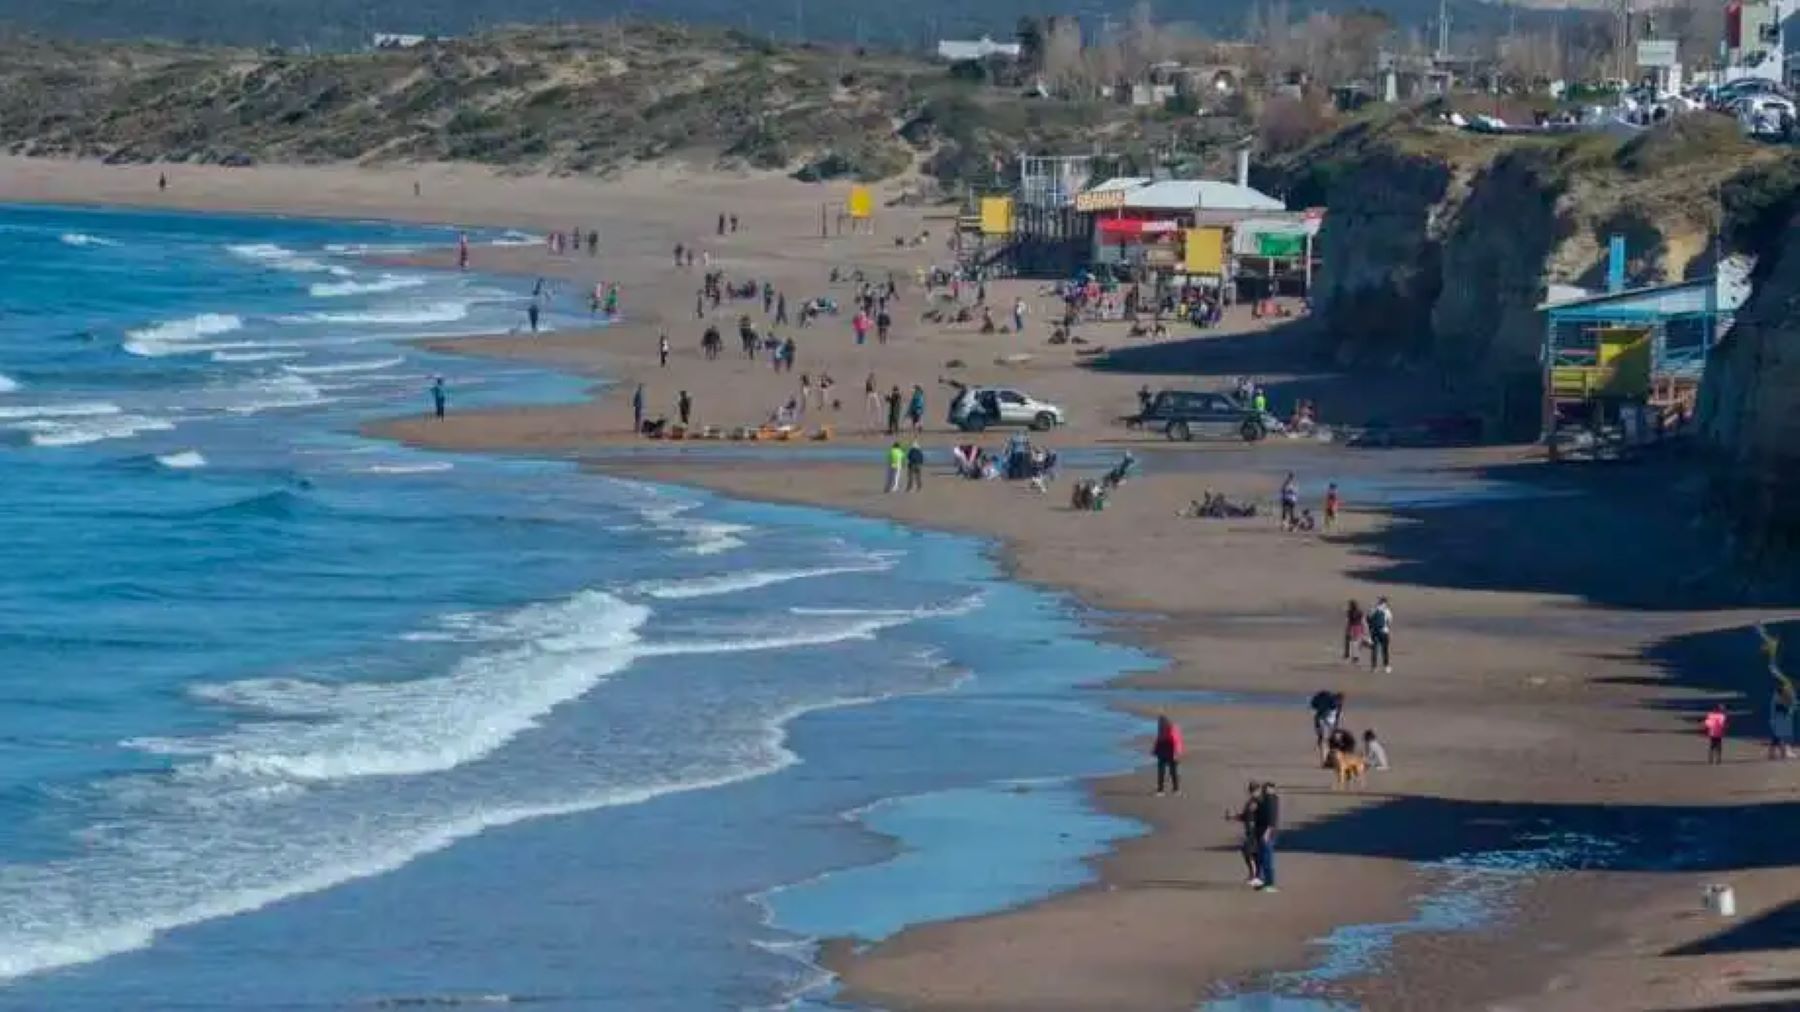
x: 1349, y: 768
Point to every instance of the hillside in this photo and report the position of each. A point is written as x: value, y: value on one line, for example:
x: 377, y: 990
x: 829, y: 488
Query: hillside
x: 346, y: 24
x: 588, y: 100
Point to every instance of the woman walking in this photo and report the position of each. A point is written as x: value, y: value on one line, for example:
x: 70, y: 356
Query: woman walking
x: 1356, y: 632
x: 1167, y: 751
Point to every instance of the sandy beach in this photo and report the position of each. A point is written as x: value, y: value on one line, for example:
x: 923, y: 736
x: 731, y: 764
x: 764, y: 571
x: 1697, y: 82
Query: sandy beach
x: 1558, y: 632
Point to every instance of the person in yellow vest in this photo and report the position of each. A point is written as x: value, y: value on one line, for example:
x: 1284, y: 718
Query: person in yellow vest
x: 896, y: 463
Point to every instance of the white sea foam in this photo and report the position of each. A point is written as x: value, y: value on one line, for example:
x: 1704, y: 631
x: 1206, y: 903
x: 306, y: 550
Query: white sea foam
x: 184, y: 460
x: 704, y: 537
x: 431, y: 312
x: 334, y: 368
x: 83, y: 239
x: 283, y: 259
x: 361, y: 729
x: 70, y: 409
x: 255, y: 356
x: 512, y: 238
x: 733, y: 583
x: 428, y: 467
x: 385, y: 283
x: 858, y: 626
x: 8, y: 385
x: 270, y: 393
x: 181, y: 337
x: 52, y: 432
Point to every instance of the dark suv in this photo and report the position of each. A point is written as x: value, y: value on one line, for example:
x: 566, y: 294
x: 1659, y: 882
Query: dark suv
x: 1191, y: 414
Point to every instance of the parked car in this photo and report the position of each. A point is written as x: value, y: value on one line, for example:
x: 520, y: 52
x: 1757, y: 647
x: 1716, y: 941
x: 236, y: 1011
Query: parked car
x: 977, y: 408
x: 1192, y: 414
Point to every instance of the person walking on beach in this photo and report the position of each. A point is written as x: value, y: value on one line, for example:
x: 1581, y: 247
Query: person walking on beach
x: 860, y: 324
x: 438, y: 396
x: 1714, y: 724
x: 721, y: 224
x: 1381, y: 635
x: 1328, y: 712
x: 781, y: 317
x: 768, y: 293
x: 883, y: 324
x: 1267, y: 822
x: 893, y: 412
x: 162, y: 184
x: 1333, y: 503
x: 915, y: 467
x: 678, y: 252
x: 1781, y: 721
x: 1245, y: 816
x: 684, y: 406
x: 915, y: 409
x: 789, y: 350
x: 1167, y: 750
x: 637, y: 409
x: 612, y: 301
x: 734, y: 224
x: 662, y: 349
x: 872, y: 400
x: 1356, y: 632
x: 1290, y: 502
x: 1018, y: 316
x: 896, y: 459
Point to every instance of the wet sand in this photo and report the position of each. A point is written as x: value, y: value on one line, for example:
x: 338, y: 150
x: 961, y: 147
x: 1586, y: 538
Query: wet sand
x: 1553, y: 649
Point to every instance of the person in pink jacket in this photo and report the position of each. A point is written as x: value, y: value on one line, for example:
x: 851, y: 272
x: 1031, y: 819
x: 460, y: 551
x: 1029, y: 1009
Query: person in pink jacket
x: 1167, y: 751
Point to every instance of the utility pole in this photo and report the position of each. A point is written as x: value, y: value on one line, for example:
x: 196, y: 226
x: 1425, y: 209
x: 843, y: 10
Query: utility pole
x: 1443, y: 30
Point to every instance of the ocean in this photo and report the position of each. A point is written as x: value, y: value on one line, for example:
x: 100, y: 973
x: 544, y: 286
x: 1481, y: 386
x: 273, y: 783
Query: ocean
x: 293, y: 718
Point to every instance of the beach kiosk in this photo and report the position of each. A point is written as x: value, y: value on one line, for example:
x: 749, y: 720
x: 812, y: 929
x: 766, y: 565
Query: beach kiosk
x: 1625, y: 365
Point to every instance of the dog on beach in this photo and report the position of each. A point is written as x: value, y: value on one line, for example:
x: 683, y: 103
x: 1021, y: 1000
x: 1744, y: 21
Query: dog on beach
x: 1350, y: 769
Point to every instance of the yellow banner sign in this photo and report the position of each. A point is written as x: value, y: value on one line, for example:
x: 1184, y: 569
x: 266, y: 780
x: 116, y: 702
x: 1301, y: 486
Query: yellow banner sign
x: 1205, y: 251
x: 1099, y: 200
x: 862, y: 202
x: 996, y: 216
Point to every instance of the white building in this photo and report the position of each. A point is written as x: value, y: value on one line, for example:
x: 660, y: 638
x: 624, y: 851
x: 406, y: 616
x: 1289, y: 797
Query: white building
x: 955, y: 51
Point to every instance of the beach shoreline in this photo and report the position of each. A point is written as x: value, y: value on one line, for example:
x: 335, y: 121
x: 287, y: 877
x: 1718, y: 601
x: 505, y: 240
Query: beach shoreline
x: 1260, y: 620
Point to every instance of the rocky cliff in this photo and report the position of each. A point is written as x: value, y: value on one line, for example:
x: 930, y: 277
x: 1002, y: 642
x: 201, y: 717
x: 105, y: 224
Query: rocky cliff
x: 1750, y: 401
x: 1438, y: 245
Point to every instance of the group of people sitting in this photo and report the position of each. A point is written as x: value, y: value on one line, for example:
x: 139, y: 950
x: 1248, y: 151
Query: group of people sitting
x: 1215, y: 505
x: 1017, y: 461
x: 1091, y: 494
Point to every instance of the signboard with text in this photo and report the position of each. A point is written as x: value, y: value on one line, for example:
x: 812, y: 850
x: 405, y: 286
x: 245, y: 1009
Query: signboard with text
x: 1656, y: 53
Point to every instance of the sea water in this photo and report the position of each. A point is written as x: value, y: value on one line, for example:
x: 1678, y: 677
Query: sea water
x: 294, y: 718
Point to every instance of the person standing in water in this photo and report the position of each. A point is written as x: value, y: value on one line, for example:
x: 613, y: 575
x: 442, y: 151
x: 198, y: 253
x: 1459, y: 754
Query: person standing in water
x: 462, y: 251
x: 439, y: 398
x: 531, y: 315
x: 1167, y: 750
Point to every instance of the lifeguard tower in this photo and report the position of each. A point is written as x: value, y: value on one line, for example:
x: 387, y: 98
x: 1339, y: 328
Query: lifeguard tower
x: 1623, y: 367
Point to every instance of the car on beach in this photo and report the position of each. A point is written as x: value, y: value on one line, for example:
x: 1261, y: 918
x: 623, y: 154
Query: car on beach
x: 976, y: 408
x: 1192, y: 414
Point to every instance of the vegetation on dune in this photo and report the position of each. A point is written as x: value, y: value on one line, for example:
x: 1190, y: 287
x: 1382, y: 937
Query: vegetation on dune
x: 580, y: 100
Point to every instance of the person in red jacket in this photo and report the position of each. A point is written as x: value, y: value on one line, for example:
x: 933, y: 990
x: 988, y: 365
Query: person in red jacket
x: 1167, y: 751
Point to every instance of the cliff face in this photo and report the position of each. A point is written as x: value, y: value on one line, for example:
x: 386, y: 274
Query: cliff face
x: 1750, y: 404
x: 1439, y: 245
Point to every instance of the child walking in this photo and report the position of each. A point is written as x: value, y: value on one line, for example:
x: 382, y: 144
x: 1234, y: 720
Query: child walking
x: 1714, y: 723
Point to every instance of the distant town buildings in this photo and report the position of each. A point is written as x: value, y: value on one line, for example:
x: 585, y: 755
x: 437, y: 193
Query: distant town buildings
x: 396, y: 40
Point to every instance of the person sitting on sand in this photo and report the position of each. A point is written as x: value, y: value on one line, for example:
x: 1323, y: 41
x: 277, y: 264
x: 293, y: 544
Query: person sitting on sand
x: 1374, y: 752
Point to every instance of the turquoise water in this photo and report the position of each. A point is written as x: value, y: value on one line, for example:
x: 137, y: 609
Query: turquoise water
x: 295, y: 719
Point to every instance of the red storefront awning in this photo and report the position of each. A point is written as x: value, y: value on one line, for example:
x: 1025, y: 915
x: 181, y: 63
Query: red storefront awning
x: 1133, y: 228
